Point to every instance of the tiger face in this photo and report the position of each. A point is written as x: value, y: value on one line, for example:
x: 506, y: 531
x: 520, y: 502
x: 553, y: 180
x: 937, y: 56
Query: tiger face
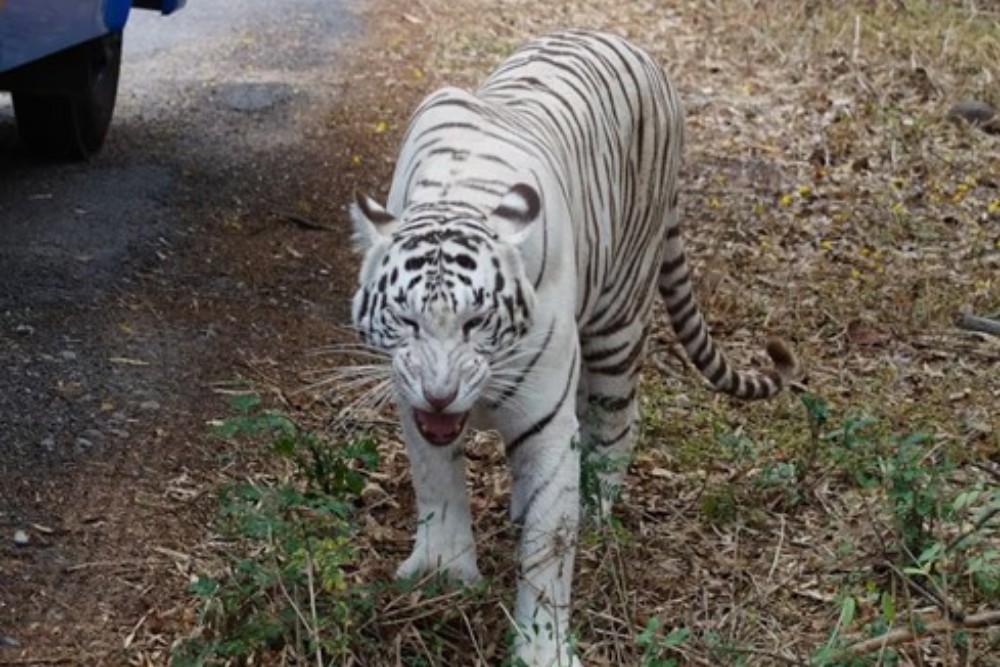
x: 446, y: 296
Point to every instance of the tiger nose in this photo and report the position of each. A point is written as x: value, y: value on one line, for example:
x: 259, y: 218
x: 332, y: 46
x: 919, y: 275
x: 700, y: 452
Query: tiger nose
x: 438, y: 401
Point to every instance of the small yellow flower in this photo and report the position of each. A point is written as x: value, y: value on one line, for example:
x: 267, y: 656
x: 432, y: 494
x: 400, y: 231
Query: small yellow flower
x: 786, y: 199
x: 826, y: 244
x: 993, y: 206
x: 714, y: 202
x: 804, y: 190
x: 355, y: 160
x: 380, y: 127
x: 961, y: 190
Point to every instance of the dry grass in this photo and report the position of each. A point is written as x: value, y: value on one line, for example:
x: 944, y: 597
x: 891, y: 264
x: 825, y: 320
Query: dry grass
x: 826, y: 200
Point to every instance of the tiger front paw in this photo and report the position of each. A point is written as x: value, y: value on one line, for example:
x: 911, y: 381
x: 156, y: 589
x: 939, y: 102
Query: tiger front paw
x: 460, y: 566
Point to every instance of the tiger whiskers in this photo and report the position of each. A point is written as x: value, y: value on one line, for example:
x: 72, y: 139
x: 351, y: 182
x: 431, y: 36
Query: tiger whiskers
x: 372, y: 375
x: 359, y: 387
x: 368, y: 386
x: 509, y: 377
x: 528, y: 346
x: 353, y: 349
x: 366, y: 394
x: 508, y: 388
x: 374, y: 397
x: 507, y: 381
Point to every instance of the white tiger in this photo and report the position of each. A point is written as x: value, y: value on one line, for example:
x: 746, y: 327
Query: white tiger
x: 511, y: 276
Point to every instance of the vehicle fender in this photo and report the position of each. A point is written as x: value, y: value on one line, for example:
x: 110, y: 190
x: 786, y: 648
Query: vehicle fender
x: 163, y: 6
x: 115, y: 14
x: 170, y: 6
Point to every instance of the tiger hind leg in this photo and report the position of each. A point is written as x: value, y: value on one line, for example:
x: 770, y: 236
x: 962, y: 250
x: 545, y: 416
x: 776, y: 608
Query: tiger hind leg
x: 608, y: 411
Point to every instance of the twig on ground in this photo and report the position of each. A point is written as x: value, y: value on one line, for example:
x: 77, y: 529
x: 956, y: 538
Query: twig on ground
x: 976, y: 527
x: 302, y: 221
x: 918, y: 631
x: 776, y: 657
x: 977, y: 323
x: 472, y: 635
x: 932, y: 593
x: 74, y: 658
x: 314, y: 615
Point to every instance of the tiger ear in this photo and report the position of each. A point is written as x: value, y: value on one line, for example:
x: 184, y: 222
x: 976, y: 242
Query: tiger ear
x: 372, y: 223
x: 517, y: 210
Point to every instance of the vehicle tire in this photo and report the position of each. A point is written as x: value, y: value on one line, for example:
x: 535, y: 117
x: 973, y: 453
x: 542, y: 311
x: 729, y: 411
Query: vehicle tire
x: 69, y: 117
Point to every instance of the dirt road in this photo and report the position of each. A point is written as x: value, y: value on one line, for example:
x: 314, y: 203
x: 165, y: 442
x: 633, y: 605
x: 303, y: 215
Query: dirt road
x: 137, y: 288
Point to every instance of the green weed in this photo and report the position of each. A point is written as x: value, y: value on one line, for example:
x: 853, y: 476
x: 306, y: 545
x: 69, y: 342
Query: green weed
x: 942, y: 531
x: 284, y: 587
x: 657, y: 646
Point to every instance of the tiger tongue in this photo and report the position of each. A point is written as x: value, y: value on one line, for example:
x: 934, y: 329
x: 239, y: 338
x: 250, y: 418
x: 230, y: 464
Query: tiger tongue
x: 439, y: 428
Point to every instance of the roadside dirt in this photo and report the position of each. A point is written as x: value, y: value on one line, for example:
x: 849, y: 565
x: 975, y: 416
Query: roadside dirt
x: 97, y: 524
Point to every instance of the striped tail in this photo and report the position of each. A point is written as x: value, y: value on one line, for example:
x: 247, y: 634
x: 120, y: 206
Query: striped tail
x: 689, y: 325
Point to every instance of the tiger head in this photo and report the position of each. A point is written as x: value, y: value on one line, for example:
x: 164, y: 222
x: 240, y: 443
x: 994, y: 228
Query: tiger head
x: 443, y: 290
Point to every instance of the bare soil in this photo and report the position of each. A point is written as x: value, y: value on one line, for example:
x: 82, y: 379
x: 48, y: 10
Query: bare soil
x: 109, y: 471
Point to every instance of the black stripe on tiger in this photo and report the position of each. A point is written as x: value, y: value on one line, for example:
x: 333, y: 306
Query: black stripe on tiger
x: 529, y: 368
x: 540, y: 425
x: 692, y: 332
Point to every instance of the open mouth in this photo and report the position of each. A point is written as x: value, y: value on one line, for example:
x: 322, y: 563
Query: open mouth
x: 440, y: 428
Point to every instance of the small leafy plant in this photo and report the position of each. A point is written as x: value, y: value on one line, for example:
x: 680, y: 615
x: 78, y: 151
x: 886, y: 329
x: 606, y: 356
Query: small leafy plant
x: 941, y: 545
x: 658, y: 646
x: 285, y: 586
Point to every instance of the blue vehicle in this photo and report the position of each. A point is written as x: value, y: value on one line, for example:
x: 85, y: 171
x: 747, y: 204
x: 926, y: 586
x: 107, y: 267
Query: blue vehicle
x: 60, y: 61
